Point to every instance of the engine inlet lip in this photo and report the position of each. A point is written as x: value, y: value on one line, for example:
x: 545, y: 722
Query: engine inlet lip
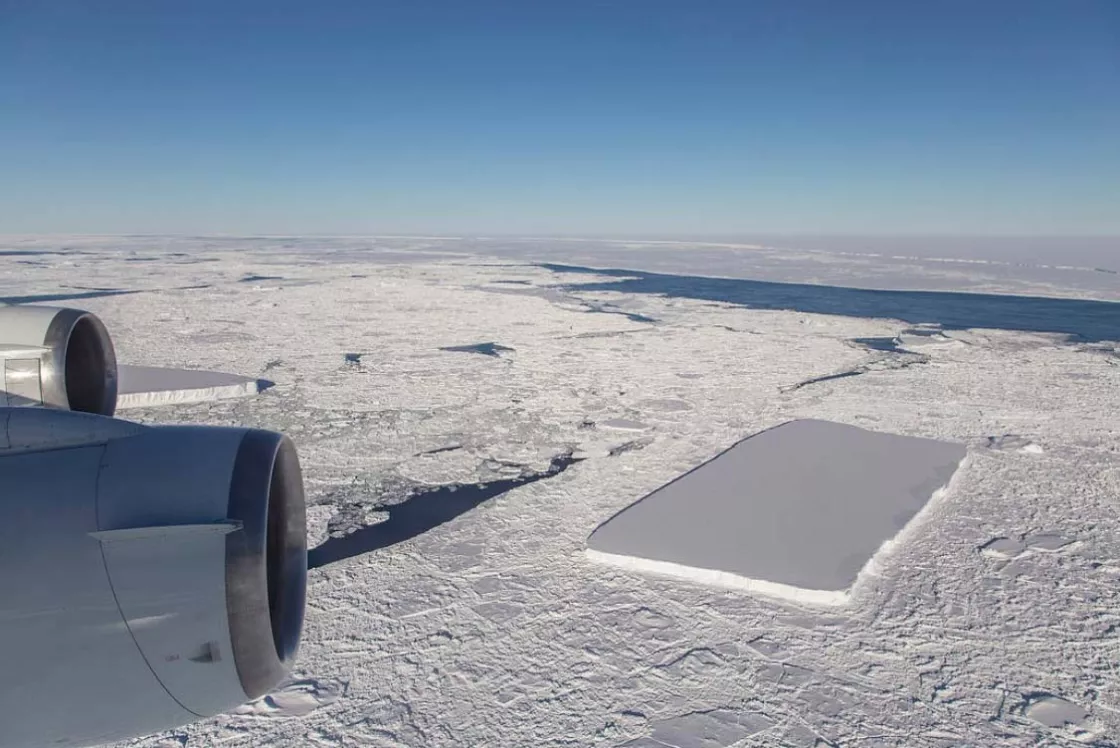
x: 286, y: 552
x: 266, y: 561
x: 71, y: 335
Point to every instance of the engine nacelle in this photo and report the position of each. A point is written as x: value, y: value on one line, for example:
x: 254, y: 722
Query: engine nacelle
x: 149, y: 575
x: 60, y: 358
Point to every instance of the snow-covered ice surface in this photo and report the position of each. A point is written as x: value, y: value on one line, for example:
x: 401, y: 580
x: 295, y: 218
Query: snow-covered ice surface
x: 794, y: 512
x: 150, y: 386
x: 996, y: 622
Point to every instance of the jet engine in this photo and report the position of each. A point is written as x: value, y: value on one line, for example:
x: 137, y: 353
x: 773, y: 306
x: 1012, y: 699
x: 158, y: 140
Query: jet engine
x: 60, y: 358
x: 149, y: 575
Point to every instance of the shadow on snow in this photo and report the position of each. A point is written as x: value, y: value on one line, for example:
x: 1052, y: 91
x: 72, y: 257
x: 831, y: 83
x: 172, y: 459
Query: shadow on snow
x: 422, y: 512
x: 75, y: 296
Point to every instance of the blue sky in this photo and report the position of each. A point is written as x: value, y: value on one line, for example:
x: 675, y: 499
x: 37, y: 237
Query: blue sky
x: 639, y: 117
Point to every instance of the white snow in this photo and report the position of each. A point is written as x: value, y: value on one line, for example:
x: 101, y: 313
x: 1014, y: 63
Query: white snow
x: 153, y: 386
x: 622, y: 424
x: 1054, y: 711
x: 719, y: 578
x: 293, y: 699
x: 795, y: 511
x: 494, y: 629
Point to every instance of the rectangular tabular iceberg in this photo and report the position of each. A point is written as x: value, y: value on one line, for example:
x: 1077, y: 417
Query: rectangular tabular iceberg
x: 797, y: 510
x: 149, y: 386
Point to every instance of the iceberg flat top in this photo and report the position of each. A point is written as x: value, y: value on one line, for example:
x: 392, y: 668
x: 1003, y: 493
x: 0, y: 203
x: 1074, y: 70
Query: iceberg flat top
x: 805, y: 504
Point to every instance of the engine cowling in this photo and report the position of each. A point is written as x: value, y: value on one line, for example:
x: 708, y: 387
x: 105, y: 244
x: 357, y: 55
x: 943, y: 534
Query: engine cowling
x: 60, y: 358
x: 149, y: 575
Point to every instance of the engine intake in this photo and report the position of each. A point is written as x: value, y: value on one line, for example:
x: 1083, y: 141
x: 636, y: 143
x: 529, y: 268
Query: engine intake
x: 266, y: 563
